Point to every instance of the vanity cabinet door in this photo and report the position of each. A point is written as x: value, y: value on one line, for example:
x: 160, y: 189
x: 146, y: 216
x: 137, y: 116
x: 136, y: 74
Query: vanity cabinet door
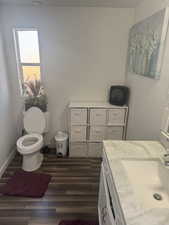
x: 107, y: 215
x: 102, y: 201
x: 108, y: 220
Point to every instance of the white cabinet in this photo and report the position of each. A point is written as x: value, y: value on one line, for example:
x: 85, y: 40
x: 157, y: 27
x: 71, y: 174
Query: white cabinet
x: 102, y: 192
x: 116, y: 116
x: 91, y: 123
x: 102, y: 202
x: 108, y: 197
x: 78, y: 150
x: 97, y: 133
x: 114, y: 133
x: 78, y: 134
x: 98, y: 117
x: 105, y: 207
x: 78, y: 116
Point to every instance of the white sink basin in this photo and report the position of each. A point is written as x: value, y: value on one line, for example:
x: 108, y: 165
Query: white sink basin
x: 148, y: 177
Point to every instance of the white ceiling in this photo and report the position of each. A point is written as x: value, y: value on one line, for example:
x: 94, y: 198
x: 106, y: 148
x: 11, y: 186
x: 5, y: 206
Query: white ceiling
x: 99, y: 3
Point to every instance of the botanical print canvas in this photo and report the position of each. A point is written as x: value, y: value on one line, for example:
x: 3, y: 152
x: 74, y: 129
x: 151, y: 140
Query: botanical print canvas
x: 146, y: 45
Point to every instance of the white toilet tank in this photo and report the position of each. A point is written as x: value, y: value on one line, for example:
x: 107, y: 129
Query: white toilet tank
x: 36, y: 121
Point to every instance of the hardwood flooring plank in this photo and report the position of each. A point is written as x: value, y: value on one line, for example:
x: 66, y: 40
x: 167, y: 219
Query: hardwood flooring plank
x: 71, y: 194
x: 62, y: 198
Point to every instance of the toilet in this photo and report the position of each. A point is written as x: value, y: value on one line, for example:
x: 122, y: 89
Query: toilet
x: 29, y: 145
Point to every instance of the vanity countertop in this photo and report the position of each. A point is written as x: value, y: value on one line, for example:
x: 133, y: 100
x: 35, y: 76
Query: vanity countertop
x: 134, y: 213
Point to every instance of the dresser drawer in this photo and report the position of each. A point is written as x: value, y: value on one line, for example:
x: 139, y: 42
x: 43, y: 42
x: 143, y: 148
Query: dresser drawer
x: 116, y: 116
x: 114, y: 133
x: 95, y: 149
x: 78, y: 133
x: 98, y: 116
x: 97, y: 133
x: 78, y: 116
x: 78, y: 150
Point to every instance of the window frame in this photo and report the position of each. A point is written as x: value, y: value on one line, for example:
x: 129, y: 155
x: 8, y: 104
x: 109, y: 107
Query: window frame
x: 18, y: 59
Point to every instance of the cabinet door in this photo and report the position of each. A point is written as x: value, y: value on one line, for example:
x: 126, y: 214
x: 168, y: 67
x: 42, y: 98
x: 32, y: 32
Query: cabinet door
x: 102, y: 201
x: 78, y: 116
x: 116, y: 116
x: 98, y: 117
x: 114, y: 209
x: 114, y: 133
x: 97, y: 133
x: 108, y: 220
x: 78, y: 133
x: 106, y: 211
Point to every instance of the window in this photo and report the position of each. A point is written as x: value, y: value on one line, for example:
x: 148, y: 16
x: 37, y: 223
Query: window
x: 28, y: 57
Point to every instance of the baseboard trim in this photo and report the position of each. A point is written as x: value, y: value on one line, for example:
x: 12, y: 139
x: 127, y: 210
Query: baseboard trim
x: 7, y: 162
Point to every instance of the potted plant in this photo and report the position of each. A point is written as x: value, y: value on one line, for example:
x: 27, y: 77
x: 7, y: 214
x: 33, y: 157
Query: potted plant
x: 35, y: 95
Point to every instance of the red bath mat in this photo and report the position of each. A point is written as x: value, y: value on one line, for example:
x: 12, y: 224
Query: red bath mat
x: 26, y: 184
x: 77, y: 222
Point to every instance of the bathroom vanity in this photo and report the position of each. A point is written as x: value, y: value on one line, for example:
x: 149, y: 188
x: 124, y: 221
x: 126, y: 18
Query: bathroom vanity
x: 126, y: 195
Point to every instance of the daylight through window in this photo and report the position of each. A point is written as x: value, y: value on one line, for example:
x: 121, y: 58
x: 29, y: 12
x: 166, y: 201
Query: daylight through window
x: 27, y: 49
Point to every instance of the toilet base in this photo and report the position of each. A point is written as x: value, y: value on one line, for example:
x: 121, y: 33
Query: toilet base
x: 32, y: 162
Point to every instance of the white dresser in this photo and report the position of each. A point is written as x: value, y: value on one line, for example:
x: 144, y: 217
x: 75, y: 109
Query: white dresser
x: 90, y: 123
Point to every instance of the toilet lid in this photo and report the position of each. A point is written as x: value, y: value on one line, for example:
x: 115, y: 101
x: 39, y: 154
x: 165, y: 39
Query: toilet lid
x: 34, y: 121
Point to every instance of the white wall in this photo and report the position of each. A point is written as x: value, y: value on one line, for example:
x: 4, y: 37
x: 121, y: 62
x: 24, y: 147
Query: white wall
x: 83, y: 52
x: 8, y: 129
x: 148, y: 96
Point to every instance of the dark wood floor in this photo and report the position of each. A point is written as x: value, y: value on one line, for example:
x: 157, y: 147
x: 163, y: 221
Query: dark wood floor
x: 72, y: 193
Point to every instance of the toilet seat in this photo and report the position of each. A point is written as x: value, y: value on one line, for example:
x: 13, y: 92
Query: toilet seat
x: 29, y: 143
